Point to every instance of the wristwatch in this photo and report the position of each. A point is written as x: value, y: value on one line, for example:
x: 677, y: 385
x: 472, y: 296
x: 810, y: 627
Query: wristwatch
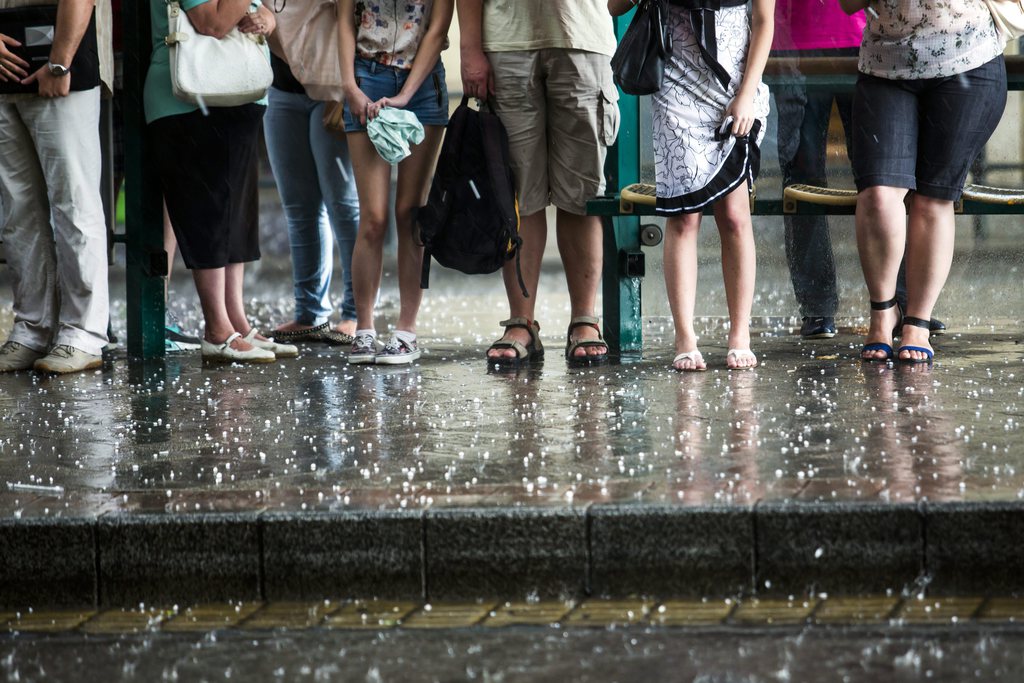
x: 57, y: 69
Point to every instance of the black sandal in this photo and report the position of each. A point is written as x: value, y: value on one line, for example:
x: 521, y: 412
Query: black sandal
x: 529, y: 353
x: 881, y: 346
x: 571, y: 345
x: 929, y: 353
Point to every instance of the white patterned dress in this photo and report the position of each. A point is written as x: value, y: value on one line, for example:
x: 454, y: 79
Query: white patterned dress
x: 694, y: 164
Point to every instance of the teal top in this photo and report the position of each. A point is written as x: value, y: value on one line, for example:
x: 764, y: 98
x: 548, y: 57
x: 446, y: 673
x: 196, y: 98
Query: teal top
x: 158, y: 96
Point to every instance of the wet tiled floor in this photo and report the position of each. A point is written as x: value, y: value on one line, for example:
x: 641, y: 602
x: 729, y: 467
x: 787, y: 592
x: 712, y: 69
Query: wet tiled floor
x: 812, y: 423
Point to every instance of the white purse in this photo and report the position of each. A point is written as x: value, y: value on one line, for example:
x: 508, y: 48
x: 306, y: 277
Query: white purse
x: 1008, y: 16
x: 229, y: 72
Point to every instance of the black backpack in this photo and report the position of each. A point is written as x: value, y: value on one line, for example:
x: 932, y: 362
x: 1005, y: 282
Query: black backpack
x: 471, y: 220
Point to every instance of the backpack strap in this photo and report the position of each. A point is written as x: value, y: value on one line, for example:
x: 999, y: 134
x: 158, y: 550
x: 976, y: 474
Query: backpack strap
x: 425, y: 270
x: 518, y: 241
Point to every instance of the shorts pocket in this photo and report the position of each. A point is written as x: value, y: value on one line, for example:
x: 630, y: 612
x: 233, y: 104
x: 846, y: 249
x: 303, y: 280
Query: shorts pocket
x: 608, y: 114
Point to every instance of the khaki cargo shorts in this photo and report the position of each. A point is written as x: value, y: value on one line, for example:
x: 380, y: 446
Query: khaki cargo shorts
x: 560, y: 108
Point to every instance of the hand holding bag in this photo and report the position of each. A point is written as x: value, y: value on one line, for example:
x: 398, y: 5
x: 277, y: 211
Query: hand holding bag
x: 638, y: 64
x: 229, y: 72
x: 1008, y: 16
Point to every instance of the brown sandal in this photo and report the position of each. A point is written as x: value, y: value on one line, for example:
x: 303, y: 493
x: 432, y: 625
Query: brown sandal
x: 572, y: 344
x: 534, y: 351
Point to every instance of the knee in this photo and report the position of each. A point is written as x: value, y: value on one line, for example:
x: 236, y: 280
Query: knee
x: 929, y: 206
x: 373, y: 226
x: 733, y: 223
x: 405, y: 212
x: 683, y: 226
x: 875, y: 200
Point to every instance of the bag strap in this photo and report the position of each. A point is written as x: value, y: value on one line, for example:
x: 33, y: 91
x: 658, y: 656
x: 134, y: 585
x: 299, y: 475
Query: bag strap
x: 425, y: 270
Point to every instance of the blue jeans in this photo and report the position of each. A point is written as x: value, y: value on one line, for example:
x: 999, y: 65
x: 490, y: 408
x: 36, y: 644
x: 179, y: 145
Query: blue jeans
x: 307, y: 162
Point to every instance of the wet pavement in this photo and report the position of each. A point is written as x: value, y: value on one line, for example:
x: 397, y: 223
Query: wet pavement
x: 811, y: 425
x: 526, y: 654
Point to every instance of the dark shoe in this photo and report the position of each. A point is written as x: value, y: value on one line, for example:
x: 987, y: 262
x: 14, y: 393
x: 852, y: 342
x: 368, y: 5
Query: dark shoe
x: 309, y: 334
x: 571, y: 344
x: 818, y: 327
x: 936, y: 327
x: 532, y: 352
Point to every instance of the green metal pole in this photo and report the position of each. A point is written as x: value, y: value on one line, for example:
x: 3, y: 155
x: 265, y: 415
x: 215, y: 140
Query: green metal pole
x: 146, y: 260
x: 623, y: 319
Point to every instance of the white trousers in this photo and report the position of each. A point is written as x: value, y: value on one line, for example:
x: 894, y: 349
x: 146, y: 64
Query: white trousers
x: 52, y: 222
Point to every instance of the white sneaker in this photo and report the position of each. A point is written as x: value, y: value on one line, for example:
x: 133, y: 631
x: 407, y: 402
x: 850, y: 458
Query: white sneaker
x: 15, y: 356
x: 223, y: 353
x: 64, y: 358
x: 278, y: 349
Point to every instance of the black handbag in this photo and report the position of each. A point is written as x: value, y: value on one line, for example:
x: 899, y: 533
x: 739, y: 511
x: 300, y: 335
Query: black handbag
x: 638, y: 64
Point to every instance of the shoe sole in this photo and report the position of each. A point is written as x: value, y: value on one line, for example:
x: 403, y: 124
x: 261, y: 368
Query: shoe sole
x: 221, y: 360
x: 404, y: 359
x: 819, y: 335
x: 92, y: 365
x: 362, y: 360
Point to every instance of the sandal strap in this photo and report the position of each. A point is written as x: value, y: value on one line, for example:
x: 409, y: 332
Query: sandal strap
x: 521, y: 351
x: 231, y: 337
x: 883, y: 305
x: 585, y: 321
x: 917, y: 322
x: 520, y: 322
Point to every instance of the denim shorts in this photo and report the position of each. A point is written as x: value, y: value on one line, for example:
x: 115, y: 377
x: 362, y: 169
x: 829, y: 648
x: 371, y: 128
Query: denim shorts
x: 430, y: 103
x: 925, y: 134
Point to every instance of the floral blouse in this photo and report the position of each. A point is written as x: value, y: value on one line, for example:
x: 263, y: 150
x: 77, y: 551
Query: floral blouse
x: 390, y: 31
x: 916, y: 39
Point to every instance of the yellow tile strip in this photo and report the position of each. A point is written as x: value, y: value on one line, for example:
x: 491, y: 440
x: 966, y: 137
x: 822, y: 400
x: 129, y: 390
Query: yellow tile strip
x: 116, y: 621
x: 1002, y: 609
x: 210, y: 617
x: 541, y: 613
x: 774, y: 612
x: 47, y: 621
x: 294, y: 616
x: 449, y: 615
x: 604, y: 613
x: 863, y: 609
x: 384, y: 614
x: 692, y: 612
x: 371, y: 614
x: 938, y: 610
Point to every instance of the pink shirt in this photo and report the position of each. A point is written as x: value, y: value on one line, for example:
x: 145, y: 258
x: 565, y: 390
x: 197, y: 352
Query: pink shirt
x: 815, y: 25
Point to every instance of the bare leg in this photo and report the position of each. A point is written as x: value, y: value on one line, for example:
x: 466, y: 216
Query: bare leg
x: 929, y: 256
x: 211, y: 285
x: 581, y: 245
x: 373, y: 178
x: 533, y: 229
x: 680, y: 259
x: 414, y: 175
x: 881, y: 236
x: 739, y: 269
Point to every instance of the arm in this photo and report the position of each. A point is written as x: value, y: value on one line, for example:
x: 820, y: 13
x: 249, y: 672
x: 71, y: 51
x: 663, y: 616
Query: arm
x: 216, y: 18
x: 273, y: 40
x: 477, y: 77
x: 854, y: 6
x: 617, y: 7
x: 261, y: 22
x: 762, y: 29
x: 427, y: 53
x: 358, y: 102
x: 72, y: 21
x: 12, y: 67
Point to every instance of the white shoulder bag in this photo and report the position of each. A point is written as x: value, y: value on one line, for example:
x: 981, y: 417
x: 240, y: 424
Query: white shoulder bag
x: 229, y: 72
x: 1008, y: 16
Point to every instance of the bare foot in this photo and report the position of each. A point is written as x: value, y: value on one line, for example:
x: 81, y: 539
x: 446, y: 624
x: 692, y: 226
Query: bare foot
x: 880, y: 332
x: 689, y: 361
x: 518, y: 334
x: 740, y: 359
x: 914, y: 336
x: 584, y: 333
x: 346, y: 327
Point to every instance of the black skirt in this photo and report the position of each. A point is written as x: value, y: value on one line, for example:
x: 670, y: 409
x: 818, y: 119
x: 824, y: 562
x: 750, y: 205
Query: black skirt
x: 207, y: 165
